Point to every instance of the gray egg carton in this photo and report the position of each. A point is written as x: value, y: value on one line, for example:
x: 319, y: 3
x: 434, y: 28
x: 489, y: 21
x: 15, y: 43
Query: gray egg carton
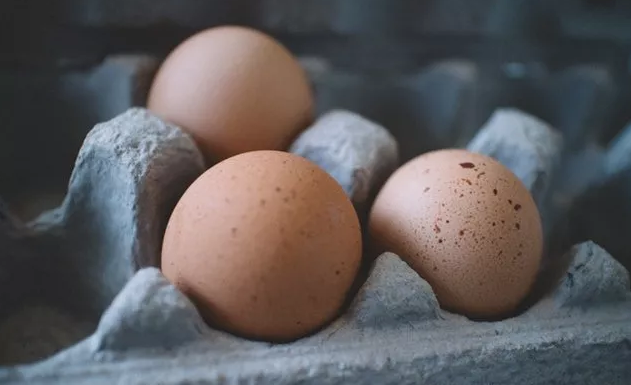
x: 96, y: 257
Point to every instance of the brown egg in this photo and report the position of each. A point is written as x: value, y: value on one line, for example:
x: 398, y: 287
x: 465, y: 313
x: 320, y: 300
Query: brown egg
x: 266, y: 244
x: 235, y: 90
x: 467, y: 225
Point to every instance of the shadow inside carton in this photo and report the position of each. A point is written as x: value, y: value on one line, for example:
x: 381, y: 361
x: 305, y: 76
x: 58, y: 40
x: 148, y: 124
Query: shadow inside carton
x: 39, y: 331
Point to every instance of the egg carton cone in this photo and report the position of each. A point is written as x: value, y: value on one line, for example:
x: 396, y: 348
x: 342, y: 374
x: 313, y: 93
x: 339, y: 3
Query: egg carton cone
x: 84, y: 301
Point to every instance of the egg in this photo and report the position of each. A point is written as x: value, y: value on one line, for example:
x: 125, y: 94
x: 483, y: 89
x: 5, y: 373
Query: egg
x: 467, y: 225
x: 234, y: 89
x: 266, y: 244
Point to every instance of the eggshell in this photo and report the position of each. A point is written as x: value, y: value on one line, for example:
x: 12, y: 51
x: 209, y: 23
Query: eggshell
x: 235, y: 90
x: 467, y: 225
x: 266, y: 244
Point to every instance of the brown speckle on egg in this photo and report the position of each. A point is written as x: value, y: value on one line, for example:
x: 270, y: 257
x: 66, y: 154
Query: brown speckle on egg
x: 472, y: 273
x: 262, y: 268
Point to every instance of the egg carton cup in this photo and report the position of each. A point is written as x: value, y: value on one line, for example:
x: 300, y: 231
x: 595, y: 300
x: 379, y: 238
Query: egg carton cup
x: 100, y: 311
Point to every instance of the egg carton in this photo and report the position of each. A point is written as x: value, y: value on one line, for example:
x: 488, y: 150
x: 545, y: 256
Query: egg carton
x: 69, y: 102
x: 540, y: 20
x: 82, y: 302
x: 96, y: 257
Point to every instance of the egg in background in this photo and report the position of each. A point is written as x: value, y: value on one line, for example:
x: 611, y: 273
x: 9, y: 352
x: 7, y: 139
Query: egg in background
x: 234, y: 89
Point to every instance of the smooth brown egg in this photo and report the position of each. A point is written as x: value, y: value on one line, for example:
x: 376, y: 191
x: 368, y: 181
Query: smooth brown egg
x: 266, y: 244
x: 234, y: 89
x: 467, y: 225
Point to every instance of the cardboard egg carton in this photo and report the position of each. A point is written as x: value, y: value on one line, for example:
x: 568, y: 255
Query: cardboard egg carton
x: 82, y: 302
x: 85, y: 303
x: 539, y: 20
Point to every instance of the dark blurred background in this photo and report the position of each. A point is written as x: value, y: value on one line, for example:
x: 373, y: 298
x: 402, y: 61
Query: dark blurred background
x: 431, y: 71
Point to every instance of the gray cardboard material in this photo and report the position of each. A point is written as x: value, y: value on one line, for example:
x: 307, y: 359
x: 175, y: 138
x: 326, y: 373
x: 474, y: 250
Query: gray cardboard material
x: 593, y: 277
x: 445, y: 93
x: 529, y: 147
x: 321, y: 16
x: 392, y: 333
x: 603, y: 212
x: 618, y: 157
x: 128, y: 176
x: 393, y: 294
x: 578, y: 102
x: 358, y: 153
x: 560, y: 346
x: 149, y: 312
x: 430, y: 108
x: 69, y: 103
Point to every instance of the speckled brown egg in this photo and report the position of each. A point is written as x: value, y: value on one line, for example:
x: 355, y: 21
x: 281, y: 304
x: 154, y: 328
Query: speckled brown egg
x: 266, y: 244
x: 467, y: 225
x: 234, y: 89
